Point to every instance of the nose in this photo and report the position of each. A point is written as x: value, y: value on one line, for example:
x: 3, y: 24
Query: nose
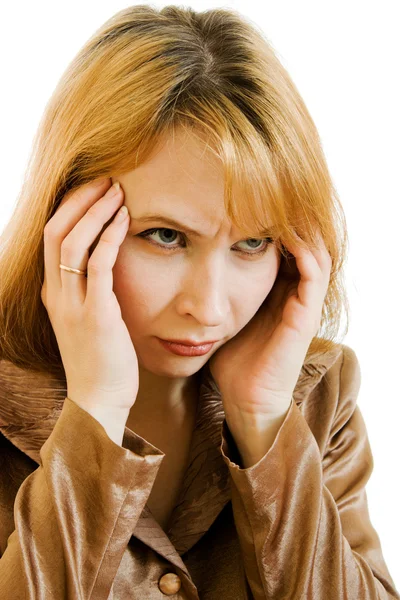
x: 204, y: 293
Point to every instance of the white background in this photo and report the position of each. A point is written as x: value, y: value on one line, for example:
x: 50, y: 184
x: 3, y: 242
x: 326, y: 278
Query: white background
x: 344, y: 58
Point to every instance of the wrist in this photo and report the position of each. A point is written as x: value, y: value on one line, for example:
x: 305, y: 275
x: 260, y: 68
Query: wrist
x: 254, y: 438
x: 112, y: 420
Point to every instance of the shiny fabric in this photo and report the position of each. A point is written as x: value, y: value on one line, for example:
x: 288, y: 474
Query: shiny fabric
x: 74, y: 521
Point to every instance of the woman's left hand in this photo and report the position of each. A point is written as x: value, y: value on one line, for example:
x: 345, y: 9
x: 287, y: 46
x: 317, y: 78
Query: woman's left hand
x: 257, y: 370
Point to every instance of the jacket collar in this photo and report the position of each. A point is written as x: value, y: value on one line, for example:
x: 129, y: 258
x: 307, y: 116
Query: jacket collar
x: 30, y: 404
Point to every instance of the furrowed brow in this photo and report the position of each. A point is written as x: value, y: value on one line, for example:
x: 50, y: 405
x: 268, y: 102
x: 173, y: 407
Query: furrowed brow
x: 176, y: 224
x: 146, y: 218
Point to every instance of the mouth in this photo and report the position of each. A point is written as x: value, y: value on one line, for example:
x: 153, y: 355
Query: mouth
x: 185, y: 349
x: 190, y: 342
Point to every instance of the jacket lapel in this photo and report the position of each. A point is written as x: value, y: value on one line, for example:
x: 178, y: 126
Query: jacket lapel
x: 31, y: 403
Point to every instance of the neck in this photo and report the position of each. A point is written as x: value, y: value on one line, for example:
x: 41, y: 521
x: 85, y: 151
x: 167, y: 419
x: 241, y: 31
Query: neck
x: 164, y: 402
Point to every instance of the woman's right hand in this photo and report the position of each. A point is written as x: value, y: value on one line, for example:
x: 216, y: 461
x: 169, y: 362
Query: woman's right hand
x: 97, y: 352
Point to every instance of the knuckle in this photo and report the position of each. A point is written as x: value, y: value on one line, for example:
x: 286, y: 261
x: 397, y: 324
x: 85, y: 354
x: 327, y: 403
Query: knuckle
x: 67, y: 196
x: 67, y: 246
x: 95, y: 263
x: 108, y: 242
x: 94, y: 211
x: 94, y: 267
x: 76, y: 195
x: 49, y: 231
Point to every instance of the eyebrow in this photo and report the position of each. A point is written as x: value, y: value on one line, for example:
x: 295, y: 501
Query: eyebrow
x: 169, y: 221
x: 181, y: 226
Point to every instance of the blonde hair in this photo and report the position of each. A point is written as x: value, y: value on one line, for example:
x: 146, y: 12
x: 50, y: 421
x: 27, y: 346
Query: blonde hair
x: 143, y: 73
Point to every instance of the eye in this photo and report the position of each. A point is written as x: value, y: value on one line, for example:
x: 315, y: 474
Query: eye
x: 168, y: 237
x: 256, y: 244
x: 259, y: 246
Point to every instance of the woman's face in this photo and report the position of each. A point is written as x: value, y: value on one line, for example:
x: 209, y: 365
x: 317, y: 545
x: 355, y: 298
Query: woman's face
x: 206, y: 287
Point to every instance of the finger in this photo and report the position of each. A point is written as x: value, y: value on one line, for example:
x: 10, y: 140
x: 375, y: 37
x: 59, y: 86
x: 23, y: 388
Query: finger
x: 312, y: 280
x: 100, y: 266
x: 75, y: 246
x: 72, y: 208
x: 320, y: 252
x: 306, y: 262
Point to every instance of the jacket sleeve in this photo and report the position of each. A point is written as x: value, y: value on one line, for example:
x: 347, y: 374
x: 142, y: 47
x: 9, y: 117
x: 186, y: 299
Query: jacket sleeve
x: 303, y: 523
x: 74, y: 515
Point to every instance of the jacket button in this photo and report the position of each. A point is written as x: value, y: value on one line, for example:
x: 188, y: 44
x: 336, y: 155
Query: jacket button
x: 169, y: 584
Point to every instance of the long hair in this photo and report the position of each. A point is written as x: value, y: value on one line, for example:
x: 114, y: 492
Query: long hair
x: 143, y: 73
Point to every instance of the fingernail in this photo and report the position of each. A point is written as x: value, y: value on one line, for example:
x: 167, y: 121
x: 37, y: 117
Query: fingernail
x: 114, y: 189
x: 121, y: 214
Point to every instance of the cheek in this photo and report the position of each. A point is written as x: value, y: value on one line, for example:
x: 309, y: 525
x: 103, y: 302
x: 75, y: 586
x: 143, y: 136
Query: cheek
x: 253, y: 295
x: 257, y: 289
x: 143, y: 291
x: 140, y: 291
x: 130, y: 279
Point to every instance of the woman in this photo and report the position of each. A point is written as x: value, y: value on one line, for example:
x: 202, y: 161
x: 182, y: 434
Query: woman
x: 229, y: 466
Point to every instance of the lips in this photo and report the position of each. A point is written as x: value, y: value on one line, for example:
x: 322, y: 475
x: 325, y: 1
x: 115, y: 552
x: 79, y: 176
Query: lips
x: 186, y: 350
x: 191, y: 343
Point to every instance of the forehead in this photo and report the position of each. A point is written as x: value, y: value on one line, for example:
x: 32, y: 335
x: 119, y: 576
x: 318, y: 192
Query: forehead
x: 182, y: 180
x: 181, y: 162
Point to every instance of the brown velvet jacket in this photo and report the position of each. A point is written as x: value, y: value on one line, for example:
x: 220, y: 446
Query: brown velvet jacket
x: 74, y: 523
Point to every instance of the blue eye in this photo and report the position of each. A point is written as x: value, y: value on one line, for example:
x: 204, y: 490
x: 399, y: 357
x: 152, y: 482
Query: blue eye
x: 262, y: 243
